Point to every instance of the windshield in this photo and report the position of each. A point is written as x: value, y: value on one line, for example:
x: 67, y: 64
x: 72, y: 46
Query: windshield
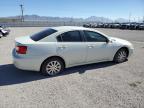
x: 40, y: 35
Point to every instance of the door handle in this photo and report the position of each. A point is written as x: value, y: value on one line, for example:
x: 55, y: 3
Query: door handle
x: 91, y: 46
x: 62, y: 47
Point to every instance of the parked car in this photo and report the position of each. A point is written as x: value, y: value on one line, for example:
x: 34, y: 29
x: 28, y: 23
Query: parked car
x: 94, y: 25
x: 86, y: 25
x: 100, y: 25
x: 115, y: 25
x: 106, y: 25
x: 110, y: 25
x: 125, y: 26
x: 56, y: 48
x: 133, y: 26
x: 141, y: 26
x: 3, y: 31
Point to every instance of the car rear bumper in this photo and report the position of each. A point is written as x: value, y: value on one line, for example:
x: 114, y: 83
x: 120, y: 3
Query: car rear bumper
x: 25, y: 63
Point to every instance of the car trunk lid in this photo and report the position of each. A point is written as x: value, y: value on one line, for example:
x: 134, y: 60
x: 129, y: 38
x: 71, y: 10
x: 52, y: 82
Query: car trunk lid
x: 24, y: 40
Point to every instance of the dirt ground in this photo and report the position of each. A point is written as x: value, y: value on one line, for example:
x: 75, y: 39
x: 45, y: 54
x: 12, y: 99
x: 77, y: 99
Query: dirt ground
x: 101, y: 85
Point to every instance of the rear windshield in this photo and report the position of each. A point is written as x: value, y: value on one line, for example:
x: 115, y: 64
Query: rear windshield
x: 42, y: 34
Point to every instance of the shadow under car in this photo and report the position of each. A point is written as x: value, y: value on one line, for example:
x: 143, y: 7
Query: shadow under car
x: 10, y: 75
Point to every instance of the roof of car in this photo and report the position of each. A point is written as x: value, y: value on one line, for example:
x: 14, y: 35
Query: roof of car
x: 67, y: 28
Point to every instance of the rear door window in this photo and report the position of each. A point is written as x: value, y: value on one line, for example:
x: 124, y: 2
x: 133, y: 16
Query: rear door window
x: 71, y: 36
x: 42, y: 34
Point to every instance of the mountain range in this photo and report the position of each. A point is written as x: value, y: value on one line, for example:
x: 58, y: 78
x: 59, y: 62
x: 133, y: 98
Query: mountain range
x: 67, y: 19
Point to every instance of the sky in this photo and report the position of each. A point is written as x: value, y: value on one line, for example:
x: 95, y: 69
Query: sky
x: 75, y: 8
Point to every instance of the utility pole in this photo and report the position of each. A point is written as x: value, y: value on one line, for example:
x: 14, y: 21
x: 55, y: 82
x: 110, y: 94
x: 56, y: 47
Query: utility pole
x: 22, y: 11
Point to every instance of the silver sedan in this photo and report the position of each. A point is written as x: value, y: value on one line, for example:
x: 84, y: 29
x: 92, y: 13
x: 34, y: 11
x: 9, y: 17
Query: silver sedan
x: 56, y: 48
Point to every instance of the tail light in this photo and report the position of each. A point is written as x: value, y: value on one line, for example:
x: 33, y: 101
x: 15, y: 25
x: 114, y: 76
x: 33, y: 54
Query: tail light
x: 21, y: 49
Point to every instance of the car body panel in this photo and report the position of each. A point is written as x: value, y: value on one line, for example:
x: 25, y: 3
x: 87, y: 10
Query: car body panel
x: 73, y: 53
x: 98, y: 51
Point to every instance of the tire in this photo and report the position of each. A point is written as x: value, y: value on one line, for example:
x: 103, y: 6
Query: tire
x: 121, y: 56
x: 52, y: 67
x: 1, y: 35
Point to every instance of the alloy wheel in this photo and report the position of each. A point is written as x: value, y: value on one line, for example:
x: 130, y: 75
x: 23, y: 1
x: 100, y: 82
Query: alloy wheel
x: 53, y: 68
x: 121, y: 56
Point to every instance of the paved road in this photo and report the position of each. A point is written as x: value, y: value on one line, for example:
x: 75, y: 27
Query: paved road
x: 102, y: 85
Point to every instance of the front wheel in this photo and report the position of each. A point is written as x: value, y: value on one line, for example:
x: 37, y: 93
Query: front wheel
x: 121, y: 56
x: 52, y: 67
x: 1, y: 34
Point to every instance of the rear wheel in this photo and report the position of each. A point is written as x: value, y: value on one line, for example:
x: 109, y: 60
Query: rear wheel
x: 121, y: 55
x: 52, y: 67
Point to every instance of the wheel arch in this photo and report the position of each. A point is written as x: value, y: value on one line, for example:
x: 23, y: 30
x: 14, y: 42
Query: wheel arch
x: 123, y: 47
x: 60, y: 58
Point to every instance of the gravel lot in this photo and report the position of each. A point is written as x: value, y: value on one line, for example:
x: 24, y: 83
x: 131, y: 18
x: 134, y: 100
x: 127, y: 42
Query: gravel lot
x: 101, y: 85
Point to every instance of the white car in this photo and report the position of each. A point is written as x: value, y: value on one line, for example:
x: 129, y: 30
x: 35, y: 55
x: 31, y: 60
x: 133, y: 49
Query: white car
x: 56, y: 48
x: 3, y: 31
